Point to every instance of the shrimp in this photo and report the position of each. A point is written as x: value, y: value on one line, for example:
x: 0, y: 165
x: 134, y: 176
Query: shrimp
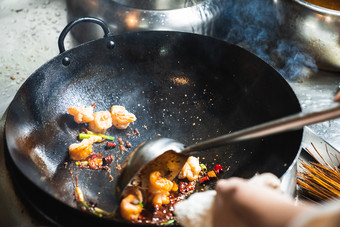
x: 101, y: 122
x: 80, y: 151
x: 121, y: 118
x: 130, y: 208
x: 159, y: 189
x: 191, y: 169
x: 81, y: 114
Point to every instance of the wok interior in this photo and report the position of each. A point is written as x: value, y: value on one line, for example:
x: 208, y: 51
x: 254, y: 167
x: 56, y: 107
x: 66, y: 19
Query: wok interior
x: 182, y: 86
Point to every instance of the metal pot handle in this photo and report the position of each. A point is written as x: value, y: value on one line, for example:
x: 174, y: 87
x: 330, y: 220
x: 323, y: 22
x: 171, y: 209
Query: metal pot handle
x: 77, y: 21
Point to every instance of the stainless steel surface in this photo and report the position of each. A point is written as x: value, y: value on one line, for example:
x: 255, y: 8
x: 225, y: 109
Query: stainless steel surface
x: 315, y: 93
x: 315, y: 147
x: 288, y: 180
x: 315, y: 29
x: 202, y: 17
x: 322, y: 151
x: 29, y: 37
x: 159, y: 4
x: 153, y: 149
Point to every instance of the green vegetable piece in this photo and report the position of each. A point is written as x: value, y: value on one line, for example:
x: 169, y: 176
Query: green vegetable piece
x: 103, y: 212
x: 203, y: 168
x: 101, y: 135
x: 83, y: 204
x: 90, y: 210
x: 78, y: 163
x: 89, y: 134
x: 169, y: 222
x: 140, y: 203
x: 106, y: 137
x: 84, y: 136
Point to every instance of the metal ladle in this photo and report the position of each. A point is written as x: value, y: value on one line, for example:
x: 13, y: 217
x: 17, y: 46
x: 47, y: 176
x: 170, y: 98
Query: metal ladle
x: 155, y: 154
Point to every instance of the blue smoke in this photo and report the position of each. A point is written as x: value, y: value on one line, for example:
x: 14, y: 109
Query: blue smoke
x: 254, y: 25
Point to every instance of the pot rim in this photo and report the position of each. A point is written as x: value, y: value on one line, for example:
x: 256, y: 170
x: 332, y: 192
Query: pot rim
x: 318, y: 9
x: 155, y: 5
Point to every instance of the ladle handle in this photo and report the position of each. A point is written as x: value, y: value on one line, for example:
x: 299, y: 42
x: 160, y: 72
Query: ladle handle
x: 289, y: 123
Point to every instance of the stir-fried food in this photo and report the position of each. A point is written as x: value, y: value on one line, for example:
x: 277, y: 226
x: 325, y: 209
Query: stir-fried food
x: 101, y: 122
x: 159, y: 189
x: 161, y: 194
x: 81, y: 114
x: 80, y: 151
x: 130, y: 208
x: 98, y: 123
x: 191, y: 169
x: 150, y: 201
x: 121, y: 118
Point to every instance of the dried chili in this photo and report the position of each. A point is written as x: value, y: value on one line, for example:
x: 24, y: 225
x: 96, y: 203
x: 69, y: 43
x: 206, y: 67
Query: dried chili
x: 203, y: 179
x: 111, y: 145
x: 218, y: 168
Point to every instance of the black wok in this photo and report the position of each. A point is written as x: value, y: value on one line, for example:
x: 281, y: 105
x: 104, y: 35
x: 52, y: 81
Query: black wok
x: 179, y: 85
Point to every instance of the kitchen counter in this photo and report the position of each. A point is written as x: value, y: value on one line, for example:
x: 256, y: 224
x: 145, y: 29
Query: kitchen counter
x: 29, y: 34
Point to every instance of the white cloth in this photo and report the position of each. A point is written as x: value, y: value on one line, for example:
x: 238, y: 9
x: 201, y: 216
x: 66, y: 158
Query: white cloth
x: 196, y: 211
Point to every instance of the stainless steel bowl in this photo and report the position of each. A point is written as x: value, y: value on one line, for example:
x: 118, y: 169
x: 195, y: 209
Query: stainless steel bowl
x: 315, y: 29
x: 196, y: 16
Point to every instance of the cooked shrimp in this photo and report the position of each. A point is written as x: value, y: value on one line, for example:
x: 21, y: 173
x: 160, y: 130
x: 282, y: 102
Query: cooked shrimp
x: 191, y: 169
x: 121, y: 118
x: 101, y: 122
x: 129, y: 208
x: 80, y: 151
x: 159, y: 189
x: 81, y: 114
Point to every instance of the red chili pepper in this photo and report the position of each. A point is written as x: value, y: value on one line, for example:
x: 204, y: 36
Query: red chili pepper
x: 203, y: 179
x: 186, y: 187
x: 108, y: 159
x: 111, y: 145
x: 218, y: 168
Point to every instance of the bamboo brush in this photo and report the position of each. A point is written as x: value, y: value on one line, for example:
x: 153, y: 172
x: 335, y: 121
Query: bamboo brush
x: 319, y: 182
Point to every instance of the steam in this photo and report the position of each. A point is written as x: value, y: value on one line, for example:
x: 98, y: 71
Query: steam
x: 254, y: 25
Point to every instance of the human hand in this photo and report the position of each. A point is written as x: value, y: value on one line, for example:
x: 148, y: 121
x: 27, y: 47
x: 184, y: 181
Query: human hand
x: 238, y: 203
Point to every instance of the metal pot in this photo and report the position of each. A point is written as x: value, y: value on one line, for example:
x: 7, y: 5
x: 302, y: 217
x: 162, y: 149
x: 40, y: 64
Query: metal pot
x: 199, y: 16
x: 315, y: 30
